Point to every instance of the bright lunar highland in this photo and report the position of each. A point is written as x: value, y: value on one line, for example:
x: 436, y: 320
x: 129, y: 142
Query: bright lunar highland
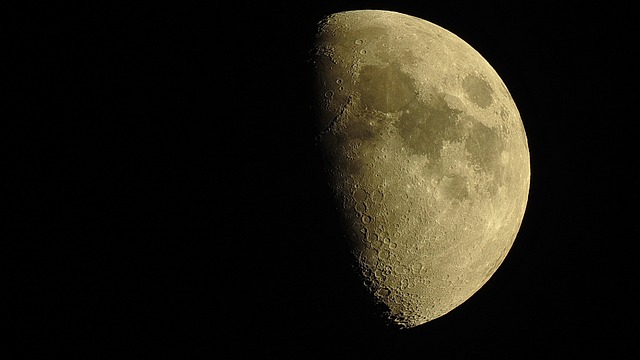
x: 426, y: 155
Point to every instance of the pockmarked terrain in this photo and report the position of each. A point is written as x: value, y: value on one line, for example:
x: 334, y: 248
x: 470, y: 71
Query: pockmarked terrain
x: 426, y: 155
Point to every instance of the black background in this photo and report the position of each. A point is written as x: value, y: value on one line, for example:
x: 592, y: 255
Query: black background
x: 165, y: 198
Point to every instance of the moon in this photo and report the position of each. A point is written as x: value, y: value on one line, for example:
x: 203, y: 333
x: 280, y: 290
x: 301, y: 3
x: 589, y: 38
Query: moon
x: 426, y: 155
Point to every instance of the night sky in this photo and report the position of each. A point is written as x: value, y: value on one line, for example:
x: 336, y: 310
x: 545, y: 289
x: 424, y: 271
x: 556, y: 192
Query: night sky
x: 165, y: 197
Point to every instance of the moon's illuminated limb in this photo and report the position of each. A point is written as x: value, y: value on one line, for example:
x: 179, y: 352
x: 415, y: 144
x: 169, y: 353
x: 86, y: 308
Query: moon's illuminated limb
x: 427, y: 157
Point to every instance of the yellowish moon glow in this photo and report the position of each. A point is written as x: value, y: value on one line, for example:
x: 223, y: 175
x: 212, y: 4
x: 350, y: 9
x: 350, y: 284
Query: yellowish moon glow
x: 427, y: 157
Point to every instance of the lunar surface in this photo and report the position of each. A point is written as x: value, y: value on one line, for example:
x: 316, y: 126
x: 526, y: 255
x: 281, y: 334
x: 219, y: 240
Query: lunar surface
x: 426, y: 155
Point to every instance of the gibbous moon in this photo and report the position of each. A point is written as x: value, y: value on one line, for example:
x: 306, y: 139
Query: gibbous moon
x: 426, y: 155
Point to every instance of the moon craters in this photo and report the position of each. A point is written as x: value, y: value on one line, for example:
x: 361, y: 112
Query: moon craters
x: 426, y: 156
